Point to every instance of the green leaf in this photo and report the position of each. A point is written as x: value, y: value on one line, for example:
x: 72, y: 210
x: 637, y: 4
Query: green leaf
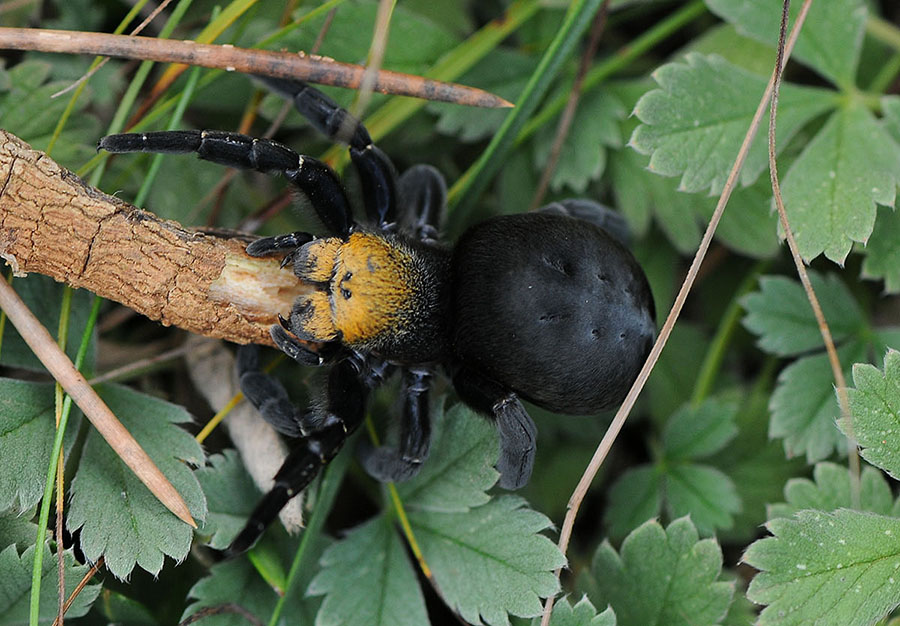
x: 827, y: 568
x: 28, y: 110
x: 640, y: 195
x: 460, y: 468
x: 662, y: 576
x: 831, y: 491
x: 594, y: 128
x: 27, y: 430
x: 695, y: 123
x: 582, y: 614
x: 367, y: 579
x: 875, y: 407
x: 18, y: 530
x: 705, y: 493
x: 230, y: 495
x: 633, y: 499
x: 830, y: 41
x: 804, y: 407
x: 748, y: 226
x: 781, y: 315
x: 490, y: 561
x: 882, y: 252
x: 696, y: 433
x: 118, y: 516
x: 15, y: 586
x: 831, y: 190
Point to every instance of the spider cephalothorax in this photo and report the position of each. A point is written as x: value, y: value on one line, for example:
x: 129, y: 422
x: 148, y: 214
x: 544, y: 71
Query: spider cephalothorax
x: 545, y: 306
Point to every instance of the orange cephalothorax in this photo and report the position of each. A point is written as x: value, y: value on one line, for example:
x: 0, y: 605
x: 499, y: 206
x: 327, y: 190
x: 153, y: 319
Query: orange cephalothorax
x: 370, y: 289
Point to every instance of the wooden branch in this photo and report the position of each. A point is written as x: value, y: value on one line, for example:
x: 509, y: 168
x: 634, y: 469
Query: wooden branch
x: 52, y: 223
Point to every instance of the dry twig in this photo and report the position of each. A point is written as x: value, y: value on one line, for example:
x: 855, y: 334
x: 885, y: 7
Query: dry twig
x: 297, y: 66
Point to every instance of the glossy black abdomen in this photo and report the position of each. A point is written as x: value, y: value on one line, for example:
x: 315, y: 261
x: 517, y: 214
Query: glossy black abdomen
x: 553, y: 308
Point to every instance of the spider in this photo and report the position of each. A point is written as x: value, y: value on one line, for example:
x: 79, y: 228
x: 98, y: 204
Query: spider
x: 546, y: 306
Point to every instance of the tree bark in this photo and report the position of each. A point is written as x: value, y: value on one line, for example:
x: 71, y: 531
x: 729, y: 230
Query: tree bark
x: 52, y: 223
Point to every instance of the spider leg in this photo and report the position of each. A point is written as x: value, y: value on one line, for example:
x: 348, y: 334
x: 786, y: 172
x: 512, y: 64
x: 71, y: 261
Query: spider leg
x: 313, y: 177
x: 422, y: 193
x: 279, y: 244
x: 389, y: 464
x: 377, y: 175
x: 349, y: 383
x: 517, y: 430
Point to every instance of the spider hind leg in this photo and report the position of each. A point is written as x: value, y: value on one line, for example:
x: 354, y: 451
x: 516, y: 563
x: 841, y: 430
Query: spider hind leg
x: 389, y: 464
x: 349, y: 383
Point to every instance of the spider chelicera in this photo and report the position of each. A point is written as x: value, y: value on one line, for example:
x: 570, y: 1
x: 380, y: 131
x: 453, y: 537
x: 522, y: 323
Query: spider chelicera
x: 545, y: 306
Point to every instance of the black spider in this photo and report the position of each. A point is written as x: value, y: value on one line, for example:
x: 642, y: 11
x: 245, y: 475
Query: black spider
x: 545, y: 306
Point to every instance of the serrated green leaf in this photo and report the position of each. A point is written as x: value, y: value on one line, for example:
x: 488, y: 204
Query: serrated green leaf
x: 696, y: 433
x: 633, y: 499
x: 18, y: 530
x: 694, y: 124
x: 27, y: 430
x: 230, y: 496
x: 663, y: 576
x: 460, y: 468
x: 804, y: 407
x: 15, y: 586
x: 781, y: 315
x: 827, y: 568
x: 875, y: 410
x: 372, y: 562
x: 831, y: 190
x: 118, y: 516
x: 830, y: 41
x: 583, y: 157
x: 43, y: 296
x: 705, y: 493
x: 582, y: 614
x: 882, y: 252
x: 490, y: 561
x: 831, y: 491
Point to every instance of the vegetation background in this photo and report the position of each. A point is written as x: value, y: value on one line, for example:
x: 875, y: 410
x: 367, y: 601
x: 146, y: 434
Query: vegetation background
x: 729, y: 497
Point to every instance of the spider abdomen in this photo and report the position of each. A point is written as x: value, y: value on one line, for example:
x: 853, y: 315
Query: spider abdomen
x: 552, y: 308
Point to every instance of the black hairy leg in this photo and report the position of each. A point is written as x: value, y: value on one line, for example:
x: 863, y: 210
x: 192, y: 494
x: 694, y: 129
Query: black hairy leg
x: 389, y: 464
x: 322, y: 431
x: 377, y: 175
x: 311, y: 176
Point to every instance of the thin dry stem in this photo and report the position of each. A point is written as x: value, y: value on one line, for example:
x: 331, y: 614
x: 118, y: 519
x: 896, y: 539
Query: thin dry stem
x: 623, y: 412
x: 296, y: 66
x: 79, y: 588
x: 64, y: 372
x: 824, y: 329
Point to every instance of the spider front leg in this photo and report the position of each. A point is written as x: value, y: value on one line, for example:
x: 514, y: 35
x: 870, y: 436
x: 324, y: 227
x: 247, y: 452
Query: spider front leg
x: 377, y: 174
x: 311, y: 176
x: 402, y: 463
x: 349, y: 383
x: 518, y: 433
